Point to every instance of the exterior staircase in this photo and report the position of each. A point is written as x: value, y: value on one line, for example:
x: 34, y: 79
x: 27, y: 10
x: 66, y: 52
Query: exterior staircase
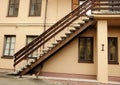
x: 53, y: 39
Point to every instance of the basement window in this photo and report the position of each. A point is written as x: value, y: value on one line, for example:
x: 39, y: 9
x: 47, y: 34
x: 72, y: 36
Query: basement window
x: 85, y: 50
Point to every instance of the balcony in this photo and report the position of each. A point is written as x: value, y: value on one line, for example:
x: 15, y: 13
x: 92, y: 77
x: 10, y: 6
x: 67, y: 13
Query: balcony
x: 106, y: 9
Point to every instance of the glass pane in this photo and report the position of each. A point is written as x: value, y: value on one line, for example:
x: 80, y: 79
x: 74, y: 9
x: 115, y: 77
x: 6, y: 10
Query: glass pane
x: 39, y: 1
x: 33, y: 1
x: 12, y: 46
x: 11, y: 52
x: 7, y: 46
x: 29, y: 40
x: 11, y: 1
x: 38, y: 9
x: 32, y: 11
x: 112, y: 49
x: 89, y: 49
x: 7, y: 39
x: 16, y: 1
x: 13, y: 39
x: 6, y: 52
x: 11, y: 10
x: 82, y: 49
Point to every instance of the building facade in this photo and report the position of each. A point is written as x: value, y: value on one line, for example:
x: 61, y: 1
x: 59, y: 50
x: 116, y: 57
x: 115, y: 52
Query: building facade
x: 93, y: 53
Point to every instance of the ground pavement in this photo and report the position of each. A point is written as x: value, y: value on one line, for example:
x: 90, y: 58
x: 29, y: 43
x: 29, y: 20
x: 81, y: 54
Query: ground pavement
x: 6, y: 79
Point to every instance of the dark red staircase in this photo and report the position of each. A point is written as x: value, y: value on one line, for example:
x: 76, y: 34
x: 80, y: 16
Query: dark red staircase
x: 60, y: 34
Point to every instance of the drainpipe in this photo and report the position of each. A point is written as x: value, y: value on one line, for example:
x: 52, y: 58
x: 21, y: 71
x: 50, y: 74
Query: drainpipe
x: 46, y: 6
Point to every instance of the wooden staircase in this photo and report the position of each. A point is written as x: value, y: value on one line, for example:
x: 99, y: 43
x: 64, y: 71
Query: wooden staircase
x: 53, y: 39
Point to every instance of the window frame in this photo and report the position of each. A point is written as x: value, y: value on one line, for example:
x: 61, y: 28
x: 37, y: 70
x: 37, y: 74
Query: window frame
x: 5, y: 40
x: 9, y: 4
x: 116, y: 53
x: 92, y: 48
x: 30, y: 7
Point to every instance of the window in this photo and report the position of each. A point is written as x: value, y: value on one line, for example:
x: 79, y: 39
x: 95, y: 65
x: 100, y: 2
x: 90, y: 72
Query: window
x: 35, y: 7
x: 112, y: 51
x: 35, y: 53
x: 9, y: 46
x: 13, y: 8
x: 85, y: 50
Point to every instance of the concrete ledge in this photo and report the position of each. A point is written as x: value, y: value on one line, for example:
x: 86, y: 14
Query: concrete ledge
x: 106, y: 17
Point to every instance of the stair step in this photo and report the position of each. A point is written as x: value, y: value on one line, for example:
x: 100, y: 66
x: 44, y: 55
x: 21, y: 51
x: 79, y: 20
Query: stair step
x: 50, y: 47
x: 55, y: 43
x: 81, y: 23
x: 45, y: 50
x: 58, y: 41
x: 86, y: 19
x: 77, y: 26
x: 68, y: 33
x: 63, y: 37
x: 72, y: 30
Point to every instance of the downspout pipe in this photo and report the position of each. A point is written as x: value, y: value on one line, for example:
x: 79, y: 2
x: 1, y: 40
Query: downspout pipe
x: 45, y: 18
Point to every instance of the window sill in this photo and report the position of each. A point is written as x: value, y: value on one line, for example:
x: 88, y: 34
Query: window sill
x: 11, y: 16
x: 7, y: 57
x: 34, y: 16
x: 113, y: 63
x: 85, y: 62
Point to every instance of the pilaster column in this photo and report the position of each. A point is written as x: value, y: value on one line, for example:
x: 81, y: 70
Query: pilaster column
x: 102, y: 51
